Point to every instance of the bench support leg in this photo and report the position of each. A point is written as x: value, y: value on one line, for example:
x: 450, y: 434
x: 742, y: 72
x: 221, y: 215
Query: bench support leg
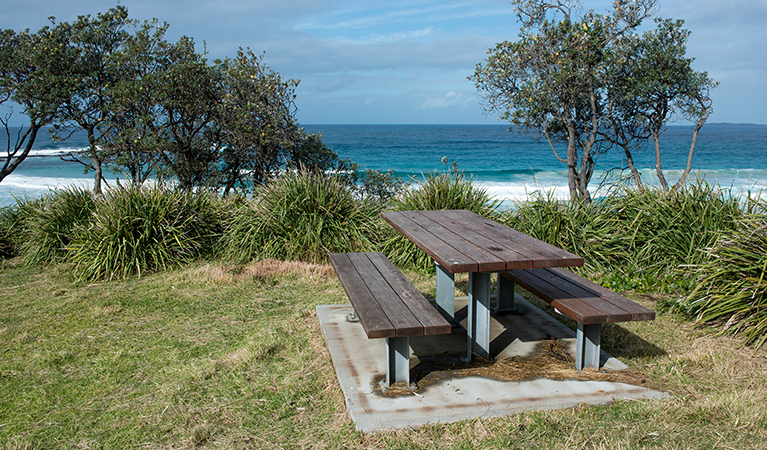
x: 506, y: 297
x: 397, y: 361
x: 478, y: 323
x: 587, y: 346
x: 446, y: 294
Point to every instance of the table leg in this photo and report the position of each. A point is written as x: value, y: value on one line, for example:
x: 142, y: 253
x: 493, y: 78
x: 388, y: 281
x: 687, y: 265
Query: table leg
x: 445, y: 293
x: 506, y: 297
x: 587, y: 346
x: 478, y: 322
x: 397, y: 361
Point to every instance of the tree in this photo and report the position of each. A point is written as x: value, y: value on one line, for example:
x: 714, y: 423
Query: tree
x: 96, y: 43
x: 553, y: 80
x: 257, y: 120
x: 134, y: 142
x: 29, y: 68
x: 188, y: 94
x: 656, y: 83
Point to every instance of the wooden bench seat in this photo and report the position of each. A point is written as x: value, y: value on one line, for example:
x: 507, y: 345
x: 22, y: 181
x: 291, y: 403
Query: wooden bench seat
x: 388, y: 306
x: 584, y: 301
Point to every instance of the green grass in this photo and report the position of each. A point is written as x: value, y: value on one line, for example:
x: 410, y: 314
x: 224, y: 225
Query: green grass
x: 213, y: 356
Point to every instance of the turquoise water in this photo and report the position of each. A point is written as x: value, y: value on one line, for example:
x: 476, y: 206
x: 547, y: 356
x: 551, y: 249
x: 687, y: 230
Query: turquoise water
x: 509, y: 165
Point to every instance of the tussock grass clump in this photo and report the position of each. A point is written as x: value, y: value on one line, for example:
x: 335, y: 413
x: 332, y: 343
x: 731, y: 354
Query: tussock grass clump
x: 302, y: 216
x: 644, y: 240
x: 14, y: 224
x: 135, y: 230
x: 732, y: 289
x: 436, y: 191
x: 52, y: 224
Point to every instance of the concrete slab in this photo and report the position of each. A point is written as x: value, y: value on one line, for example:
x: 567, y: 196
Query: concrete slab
x: 360, y: 364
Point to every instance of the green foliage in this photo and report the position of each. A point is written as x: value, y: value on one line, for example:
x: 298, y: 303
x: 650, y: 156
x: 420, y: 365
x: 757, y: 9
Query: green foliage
x: 732, y: 290
x: 51, y: 226
x: 588, y: 81
x: 136, y: 230
x: 256, y: 119
x: 14, y: 231
x: 380, y: 187
x: 635, y: 239
x: 302, y: 216
x: 31, y: 65
x: 437, y: 190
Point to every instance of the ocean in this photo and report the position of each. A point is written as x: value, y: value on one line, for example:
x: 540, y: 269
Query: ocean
x: 510, y: 166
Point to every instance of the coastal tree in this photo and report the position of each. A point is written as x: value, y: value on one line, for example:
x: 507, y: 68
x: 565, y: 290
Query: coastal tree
x: 188, y: 94
x: 96, y: 42
x: 135, y: 136
x: 29, y: 68
x: 653, y: 84
x: 553, y: 79
x: 256, y: 120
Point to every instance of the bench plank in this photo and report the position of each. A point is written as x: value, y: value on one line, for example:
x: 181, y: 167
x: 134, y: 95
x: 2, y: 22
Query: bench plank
x: 575, y: 308
x: 561, y: 287
x: 402, y: 319
x: 638, y: 312
x: 573, y: 288
x: 375, y: 322
x: 431, y: 320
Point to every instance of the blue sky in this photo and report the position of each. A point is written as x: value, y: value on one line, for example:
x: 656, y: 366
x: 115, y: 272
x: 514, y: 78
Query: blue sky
x: 381, y: 62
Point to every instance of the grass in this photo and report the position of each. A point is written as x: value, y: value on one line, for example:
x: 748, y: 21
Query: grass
x: 215, y: 356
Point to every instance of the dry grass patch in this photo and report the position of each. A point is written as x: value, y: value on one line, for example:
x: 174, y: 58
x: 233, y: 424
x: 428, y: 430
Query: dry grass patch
x: 265, y: 272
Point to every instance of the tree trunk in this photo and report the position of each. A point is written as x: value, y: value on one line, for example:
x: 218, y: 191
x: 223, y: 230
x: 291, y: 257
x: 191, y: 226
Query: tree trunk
x: 96, y: 158
x: 11, y: 161
x: 572, y: 166
x: 658, y: 167
x: 683, y: 178
x: 634, y: 172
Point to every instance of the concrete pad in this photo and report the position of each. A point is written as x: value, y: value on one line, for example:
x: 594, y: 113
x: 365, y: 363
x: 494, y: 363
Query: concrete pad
x: 360, y: 364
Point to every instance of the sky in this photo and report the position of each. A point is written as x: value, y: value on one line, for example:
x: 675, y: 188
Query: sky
x: 407, y: 61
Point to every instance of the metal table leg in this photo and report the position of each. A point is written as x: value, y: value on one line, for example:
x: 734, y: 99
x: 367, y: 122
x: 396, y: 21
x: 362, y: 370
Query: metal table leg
x: 587, y: 346
x: 446, y: 294
x: 397, y: 361
x: 478, y: 322
x: 506, y: 297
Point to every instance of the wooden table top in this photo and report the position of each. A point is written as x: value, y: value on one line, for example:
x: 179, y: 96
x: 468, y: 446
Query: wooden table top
x: 462, y: 241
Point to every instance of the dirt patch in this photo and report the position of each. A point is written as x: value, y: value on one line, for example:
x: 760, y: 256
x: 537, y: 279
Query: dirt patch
x: 551, y: 361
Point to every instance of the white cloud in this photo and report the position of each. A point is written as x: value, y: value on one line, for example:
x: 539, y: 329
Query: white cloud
x: 451, y: 99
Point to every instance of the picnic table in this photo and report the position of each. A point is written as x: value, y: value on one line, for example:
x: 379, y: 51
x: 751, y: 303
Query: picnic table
x: 461, y: 241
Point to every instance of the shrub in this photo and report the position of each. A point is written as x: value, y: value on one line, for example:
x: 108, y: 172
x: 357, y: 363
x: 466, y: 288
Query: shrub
x: 302, y: 216
x: 437, y: 190
x: 632, y: 239
x: 135, y: 230
x: 732, y: 288
x: 51, y: 225
x: 14, y: 224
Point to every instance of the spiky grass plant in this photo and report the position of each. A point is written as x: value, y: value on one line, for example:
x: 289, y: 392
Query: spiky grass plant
x: 135, y: 230
x: 51, y: 226
x: 14, y: 224
x: 732, y: 293
x: 302, y: 216
x: 437, y: 190
x: 634, y: 240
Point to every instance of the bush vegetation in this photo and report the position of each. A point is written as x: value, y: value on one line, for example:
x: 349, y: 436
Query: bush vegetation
x: 302, y: 216
x: 632, y: 239
x: 701, y: 245
x: 51, y: 224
